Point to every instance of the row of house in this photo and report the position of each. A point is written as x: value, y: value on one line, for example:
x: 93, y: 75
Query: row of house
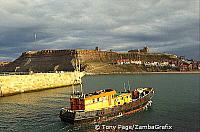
x: 160, y: 64
x: 138, y: 62
x: 127, y: 61
x: 183, y: 65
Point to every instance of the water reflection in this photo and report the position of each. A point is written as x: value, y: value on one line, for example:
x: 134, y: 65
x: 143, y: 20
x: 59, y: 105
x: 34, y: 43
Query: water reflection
x: 39, y: 111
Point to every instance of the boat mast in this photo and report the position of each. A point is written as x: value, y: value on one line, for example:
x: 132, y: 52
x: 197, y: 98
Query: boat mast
x: 124, y: 87
x: 79, y: 70
x: 73, y: 88
x: 129, y: 86
x: 75, y: 72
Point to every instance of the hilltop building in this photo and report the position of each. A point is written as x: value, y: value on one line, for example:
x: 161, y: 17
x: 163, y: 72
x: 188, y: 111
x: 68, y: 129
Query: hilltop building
x: 144, y: 50
x: 3, y: 63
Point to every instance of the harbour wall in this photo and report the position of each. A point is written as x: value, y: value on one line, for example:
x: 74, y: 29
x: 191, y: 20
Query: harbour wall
x: 15, y: 84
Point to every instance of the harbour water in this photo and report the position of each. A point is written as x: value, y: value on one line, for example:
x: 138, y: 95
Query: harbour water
x: 175, y: 103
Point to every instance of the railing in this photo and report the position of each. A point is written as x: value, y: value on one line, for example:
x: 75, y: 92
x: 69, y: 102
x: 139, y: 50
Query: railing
x: 13, y: 73
x: 28, y: 73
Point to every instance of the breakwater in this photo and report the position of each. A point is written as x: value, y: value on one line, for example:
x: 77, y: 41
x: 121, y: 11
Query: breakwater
x: 14, y: 84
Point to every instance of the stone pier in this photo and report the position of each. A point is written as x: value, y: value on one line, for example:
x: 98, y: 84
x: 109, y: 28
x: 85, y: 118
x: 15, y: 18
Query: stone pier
x: 14, y: 84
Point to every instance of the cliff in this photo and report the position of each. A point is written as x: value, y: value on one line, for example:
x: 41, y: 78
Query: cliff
x: 42, y: 61
x: 64, y: 60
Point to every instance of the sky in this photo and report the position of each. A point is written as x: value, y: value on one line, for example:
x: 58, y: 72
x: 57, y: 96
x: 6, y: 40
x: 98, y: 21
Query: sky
x: 170, y: 26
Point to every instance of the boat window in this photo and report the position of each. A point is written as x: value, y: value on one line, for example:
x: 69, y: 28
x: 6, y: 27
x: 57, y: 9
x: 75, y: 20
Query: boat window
x: 118, y: 102
x: 108, y: 90
x: 126, y: 96
x: 93, y: 100
x: 97, y: 99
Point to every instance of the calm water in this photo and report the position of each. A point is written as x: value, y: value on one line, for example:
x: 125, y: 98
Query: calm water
x: 176, y: 103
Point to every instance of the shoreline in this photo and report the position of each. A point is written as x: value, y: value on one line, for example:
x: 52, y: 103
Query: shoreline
x: 129, y: 73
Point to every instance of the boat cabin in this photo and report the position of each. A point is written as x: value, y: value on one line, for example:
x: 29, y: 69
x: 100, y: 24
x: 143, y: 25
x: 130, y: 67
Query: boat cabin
x: 122, y: 98
x: 105, y: 99
x: 100, y: 99
x: 93, y: 101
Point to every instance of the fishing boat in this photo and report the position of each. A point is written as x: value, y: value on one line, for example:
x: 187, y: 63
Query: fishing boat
x: 104, y: 105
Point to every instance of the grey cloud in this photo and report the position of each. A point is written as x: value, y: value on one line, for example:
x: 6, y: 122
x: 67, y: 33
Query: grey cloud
x: 163, y: 25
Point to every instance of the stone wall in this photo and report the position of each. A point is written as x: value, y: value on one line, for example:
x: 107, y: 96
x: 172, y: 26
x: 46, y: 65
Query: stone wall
x: 15, y: 84
x: 49, y: 53
x: 95, y: 55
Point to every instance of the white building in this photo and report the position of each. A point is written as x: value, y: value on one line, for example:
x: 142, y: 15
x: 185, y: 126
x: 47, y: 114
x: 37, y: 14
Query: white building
x: 136, y: 62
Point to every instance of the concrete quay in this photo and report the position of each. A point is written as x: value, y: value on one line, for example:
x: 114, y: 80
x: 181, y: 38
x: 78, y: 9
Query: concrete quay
x: 15, y: 84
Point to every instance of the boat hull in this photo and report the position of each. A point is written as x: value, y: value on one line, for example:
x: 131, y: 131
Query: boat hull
x: 73, y: 117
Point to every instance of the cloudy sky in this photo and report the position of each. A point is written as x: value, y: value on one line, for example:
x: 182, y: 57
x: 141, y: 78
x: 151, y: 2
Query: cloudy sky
x: 170, y: 26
